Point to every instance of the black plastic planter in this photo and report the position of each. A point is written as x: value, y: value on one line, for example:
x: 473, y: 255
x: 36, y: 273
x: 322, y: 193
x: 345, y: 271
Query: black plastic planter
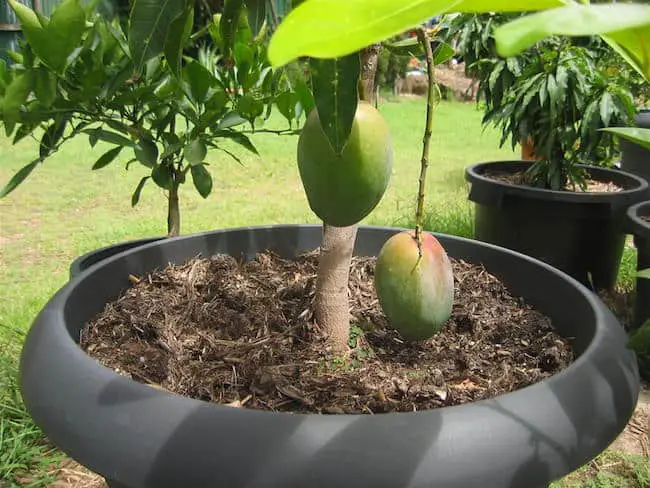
x: 634, y: 158
x: 85, y: 261
x: 138, y: 436
x: 640, y: 227
x: 580, y: 233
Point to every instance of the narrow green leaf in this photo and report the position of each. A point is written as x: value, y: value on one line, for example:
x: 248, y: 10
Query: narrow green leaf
x: 179, y: 33
x: 146, y: 152
x: 231, y: 119
x: 632, y: 134
x: 149, y: 25
x: 107, y: 158
x: 18, y: 178
x: 162, y: 177
x: 239, y: 138
x: 15, y: 96
x: 606, y: 108
x: 47, y: 142
x: 202, y: 180
x: 135, y: 198
x: 336, y: 94
x: 108, y: 136
x: 23, y: 131
x: 195, y: 152
x: 305, y: 95
x: 256, y: 10
x: 406, y: 47
x: 644, y: 273
x: 332, y: 28
x: 228, y: 23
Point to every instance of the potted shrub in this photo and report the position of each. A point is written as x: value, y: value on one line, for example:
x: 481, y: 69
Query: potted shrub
x: 150, y: 437
x: 166, y: 117
x: 559, y: 94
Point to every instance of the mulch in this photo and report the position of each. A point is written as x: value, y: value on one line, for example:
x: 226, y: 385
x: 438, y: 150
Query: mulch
x: 592, y: 186
x: 243, y: 334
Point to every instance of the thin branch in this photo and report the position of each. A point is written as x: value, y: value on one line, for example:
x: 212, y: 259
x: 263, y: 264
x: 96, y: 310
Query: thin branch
x: 428, y: 129
x: 281, y: 132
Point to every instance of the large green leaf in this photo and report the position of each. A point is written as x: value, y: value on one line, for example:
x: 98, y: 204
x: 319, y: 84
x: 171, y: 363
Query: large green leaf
x: 228, y: 23
x: 633, y: 134
x: 107, y: 158
x: 626, y: 25
x: 336, y: 94
x: 198, y: 81
x: 15, y: 95
x: 45, y: 86
x: 109, y: 136
x: 195, y: 152
x: 149, y: 25
x: 202, y: 180
x: 55, y: 40
x: 333, y: 28
x: 256, y: 10
x: 135, y: 198
x: 179, y: 32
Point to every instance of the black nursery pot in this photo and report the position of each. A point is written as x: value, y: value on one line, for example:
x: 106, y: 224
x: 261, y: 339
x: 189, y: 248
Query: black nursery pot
x: 641, y: 230
x: 635, y: 158
x: 85, y: 261
x: 581, y: 234
x: 137, y: 436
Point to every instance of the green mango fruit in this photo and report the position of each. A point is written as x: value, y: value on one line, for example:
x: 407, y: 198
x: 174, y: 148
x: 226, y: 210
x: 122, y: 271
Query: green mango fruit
x: 416, y: 293
x: 343, y: 189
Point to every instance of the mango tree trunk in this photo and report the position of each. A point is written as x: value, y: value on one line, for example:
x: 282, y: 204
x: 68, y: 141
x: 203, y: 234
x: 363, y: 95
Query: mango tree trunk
x: 173, y: 213
x: 331, y: 305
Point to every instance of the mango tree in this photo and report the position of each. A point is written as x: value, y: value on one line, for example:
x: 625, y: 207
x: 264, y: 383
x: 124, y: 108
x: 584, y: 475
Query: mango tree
x: 140, y: 92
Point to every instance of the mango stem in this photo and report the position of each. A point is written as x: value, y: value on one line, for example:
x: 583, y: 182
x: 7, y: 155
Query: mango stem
x: 423, y: 38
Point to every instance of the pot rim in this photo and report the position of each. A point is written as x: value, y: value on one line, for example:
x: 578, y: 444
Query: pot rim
x: 638, y: 226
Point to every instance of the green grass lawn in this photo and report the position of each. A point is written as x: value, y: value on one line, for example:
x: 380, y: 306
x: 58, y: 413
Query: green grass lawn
x: 64, y: 209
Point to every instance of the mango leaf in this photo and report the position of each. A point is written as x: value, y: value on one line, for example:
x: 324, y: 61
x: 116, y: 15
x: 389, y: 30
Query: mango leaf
x: 625, y: 25
x: 332, y: 28
x: 44, y: 86
x: 249, y: 108
x: 55, y: 40
x: 286, y: 102
x: 644, y: 273
x: 198, y: 80
x: 406, y: 47
x: 632, y: 134
x: 239, y: 138
x: 228, y: 23
x: 202, y: 180
x: 443, y: 53
x: 179, y: 32
x: 15, y: 95
x: 51, y: 137
x: 336, y: 94
x: 146, y: 152
x: 135, y: 198
x: 256, y: 10
x: 195, y: 152
x: 149, y: 26
x: 18, y: 178
x: 107, y: 158
x: 108, y: 136
x: 231, y: 119
x: 162, y: 177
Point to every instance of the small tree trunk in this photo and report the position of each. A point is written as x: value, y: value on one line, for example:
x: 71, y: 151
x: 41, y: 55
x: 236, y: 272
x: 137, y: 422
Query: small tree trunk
x: 173, y: 213
x: 331, y: 306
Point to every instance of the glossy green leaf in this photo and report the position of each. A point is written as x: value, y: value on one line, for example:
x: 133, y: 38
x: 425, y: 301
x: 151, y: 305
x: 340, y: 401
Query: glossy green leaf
x: 55, y: 40
x: 48, y: 140
x: 15, y: 96
x: 250, y: 108
x: 231, y: 119
x: 107, y: 158
x: 45, y: 86
x: 202, y: 180
x: 146, y: 152
x: 332, y: 28
x: 239, y: 138
x: 149, y: 24
x: 111, y: 137
x: 632, y: 134
x: 18, y: 178
x: 228, y: 23
x: 443, y: 53
x: 626, y: 24
x: 198, y: 79
x: 162, y: 177
x: 406, y: 47
x: 336, y: 95
x: 179, y: 33
x: 135, y: 198
x: 256, y: 10
x: 195, y: 152
x: 286, y: 102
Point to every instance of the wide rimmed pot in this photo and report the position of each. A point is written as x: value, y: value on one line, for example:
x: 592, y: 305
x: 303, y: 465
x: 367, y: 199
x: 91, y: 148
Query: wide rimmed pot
x: 635, y: 158
x: 639, y: 224
x: 580, y: 233
x: 138, y: 436
x: 85, y: 261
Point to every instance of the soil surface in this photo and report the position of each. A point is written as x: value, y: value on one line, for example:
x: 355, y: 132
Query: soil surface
x: 242, y: 334
x: 519, y: 178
